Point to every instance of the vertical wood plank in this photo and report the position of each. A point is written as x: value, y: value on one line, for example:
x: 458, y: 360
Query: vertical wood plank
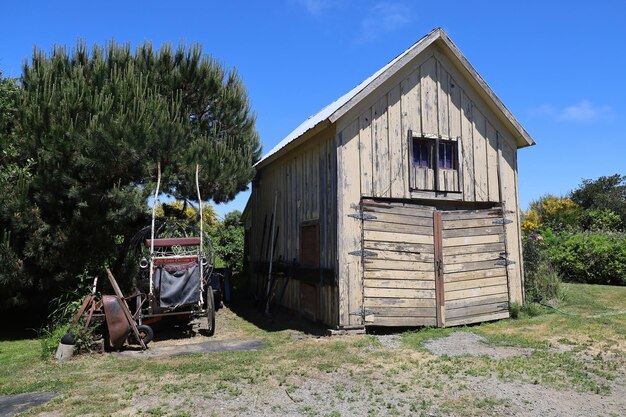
x: 381, y: 184
x: 428, y: 83
x: 492, y: 164
x: 481, y: 190
x: 348, y: 228
x: 442, y: 101
x: 365, y: 151
x: 439, y: 279
x: 454, y: 108
x: 398, y: 164
x: 507, y: 166
x: 468, y: 148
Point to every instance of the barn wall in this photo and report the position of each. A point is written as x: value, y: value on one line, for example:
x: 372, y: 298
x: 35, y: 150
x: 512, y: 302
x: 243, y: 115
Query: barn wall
x: 304, y: 181
x: 431, y: 98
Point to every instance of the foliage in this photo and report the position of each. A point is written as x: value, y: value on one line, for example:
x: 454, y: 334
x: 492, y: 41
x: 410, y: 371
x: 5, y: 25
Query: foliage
x: 590, y: 257
x: 229, y: 241
x: 556, y: 213
x: 541, y: 281
x: 597, y: 220
x: 51, y: 336
x: 606, y: 194
x: 64, y: 307
x: 183, y: 210
x: 85, y: 133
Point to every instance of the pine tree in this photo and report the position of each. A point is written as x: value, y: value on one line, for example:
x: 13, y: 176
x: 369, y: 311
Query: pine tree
x: 95, y: 122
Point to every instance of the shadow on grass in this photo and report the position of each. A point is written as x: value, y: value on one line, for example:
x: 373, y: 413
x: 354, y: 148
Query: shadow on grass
x: 247, y: 308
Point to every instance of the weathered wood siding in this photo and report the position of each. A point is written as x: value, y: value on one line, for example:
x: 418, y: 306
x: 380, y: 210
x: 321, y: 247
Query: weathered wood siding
x: 305, y: 182
x: 475, y: 282
x: 399, y: 277
x: 431, y: 98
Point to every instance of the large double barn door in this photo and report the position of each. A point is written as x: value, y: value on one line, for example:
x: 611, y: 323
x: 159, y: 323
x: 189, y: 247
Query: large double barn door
x: 424, y: 267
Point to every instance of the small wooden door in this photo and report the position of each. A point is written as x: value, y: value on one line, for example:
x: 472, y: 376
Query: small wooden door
x: 424, y: 267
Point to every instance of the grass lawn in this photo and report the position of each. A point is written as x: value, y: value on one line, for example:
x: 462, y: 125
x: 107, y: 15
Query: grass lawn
x: 581, y: 349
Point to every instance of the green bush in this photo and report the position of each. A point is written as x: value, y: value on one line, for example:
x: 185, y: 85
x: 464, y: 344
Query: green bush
x: 590, y: 257
x: 51, y: 336
x: 542, y: 281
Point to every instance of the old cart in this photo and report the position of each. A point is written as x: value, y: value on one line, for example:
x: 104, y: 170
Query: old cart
x: 178, y: 275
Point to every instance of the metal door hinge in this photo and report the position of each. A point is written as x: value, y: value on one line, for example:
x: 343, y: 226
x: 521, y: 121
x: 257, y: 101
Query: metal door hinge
x: 363, y: 312
x: 504, y: 262
x: 363, y: 253
x: 502, y: 221
x: 362, y: 216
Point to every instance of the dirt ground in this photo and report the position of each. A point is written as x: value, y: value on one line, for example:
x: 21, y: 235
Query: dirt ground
x: 347, y: 392
x: 548, y: 365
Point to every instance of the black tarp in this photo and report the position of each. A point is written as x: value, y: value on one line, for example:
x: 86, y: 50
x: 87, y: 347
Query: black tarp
x: 179, y: 285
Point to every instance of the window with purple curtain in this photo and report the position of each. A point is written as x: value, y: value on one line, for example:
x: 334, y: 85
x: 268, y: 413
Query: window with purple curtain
x: 421, y: 153
x: 446, y: 155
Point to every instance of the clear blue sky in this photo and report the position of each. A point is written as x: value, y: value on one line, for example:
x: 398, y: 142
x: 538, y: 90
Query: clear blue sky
x: 559, y: 66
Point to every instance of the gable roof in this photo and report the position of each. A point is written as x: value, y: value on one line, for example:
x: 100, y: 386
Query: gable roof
x: 345, y: 103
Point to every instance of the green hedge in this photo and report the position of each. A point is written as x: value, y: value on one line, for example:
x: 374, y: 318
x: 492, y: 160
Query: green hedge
x: 589, y: 257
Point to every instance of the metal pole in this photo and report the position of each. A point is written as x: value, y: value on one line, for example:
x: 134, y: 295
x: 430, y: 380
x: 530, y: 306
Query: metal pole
x: 201, y: 234
x: 154, y: 206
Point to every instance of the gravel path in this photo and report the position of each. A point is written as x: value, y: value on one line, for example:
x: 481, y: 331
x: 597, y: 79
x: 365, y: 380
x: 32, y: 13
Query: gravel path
x: 466, y: 343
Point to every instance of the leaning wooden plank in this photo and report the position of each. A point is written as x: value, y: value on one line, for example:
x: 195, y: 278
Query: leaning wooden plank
x: 405, y: 312
x: 403, y: 321
x: 400, y: 283
x: 497, y: 247
x: 468, y: 223
x: 373, y: 263
x: 472, y: 301
x: 476, y: 310
x: 398, y: 246
x: 400, y: 237
x: 472, y: 257
x: 398, y: 293
x: 393, y: 274
x: 478, y: 319
x: 475, y: 292
x: 475, y: 231
x: 129, y: 316
x: 402, y: 219
x: 396, y: 227
x: 472, y: 240
x: 373, y: 303
x: 405, y: 256
x: 476, y: 283
x: 471, y: 266
x: 496, y: 271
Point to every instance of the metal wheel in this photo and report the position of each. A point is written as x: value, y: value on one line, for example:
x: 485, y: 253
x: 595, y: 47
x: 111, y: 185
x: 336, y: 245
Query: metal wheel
x: 210, y: 311
x: 145, y: 332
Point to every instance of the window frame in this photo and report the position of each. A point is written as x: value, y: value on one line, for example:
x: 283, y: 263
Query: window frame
x: 435, y: 146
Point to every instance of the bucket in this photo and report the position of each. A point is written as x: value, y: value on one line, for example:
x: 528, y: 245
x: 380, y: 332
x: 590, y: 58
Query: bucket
x: 65, y: 350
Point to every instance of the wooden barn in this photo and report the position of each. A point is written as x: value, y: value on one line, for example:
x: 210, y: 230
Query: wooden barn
x: 396, y: 205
